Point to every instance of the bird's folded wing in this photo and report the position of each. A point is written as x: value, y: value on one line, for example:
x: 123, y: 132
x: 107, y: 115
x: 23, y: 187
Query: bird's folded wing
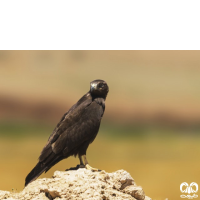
x: 82, y: 127
x: 68, y: 130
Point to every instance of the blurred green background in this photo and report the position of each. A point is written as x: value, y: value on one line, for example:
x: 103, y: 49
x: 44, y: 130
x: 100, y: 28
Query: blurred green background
x: 151, y: 126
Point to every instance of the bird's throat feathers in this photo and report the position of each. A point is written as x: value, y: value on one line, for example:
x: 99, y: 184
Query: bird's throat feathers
x: 99, y: 100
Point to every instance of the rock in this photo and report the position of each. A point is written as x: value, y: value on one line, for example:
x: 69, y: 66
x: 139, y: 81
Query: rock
x: 135, y: 191
x: 81, y: 184
x: 147, y: 198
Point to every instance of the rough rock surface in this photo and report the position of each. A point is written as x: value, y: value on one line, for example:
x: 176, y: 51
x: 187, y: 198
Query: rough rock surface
x: 81, y: 184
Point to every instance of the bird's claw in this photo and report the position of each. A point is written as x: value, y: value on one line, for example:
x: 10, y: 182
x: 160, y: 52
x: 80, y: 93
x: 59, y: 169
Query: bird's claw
x: 87, y: 166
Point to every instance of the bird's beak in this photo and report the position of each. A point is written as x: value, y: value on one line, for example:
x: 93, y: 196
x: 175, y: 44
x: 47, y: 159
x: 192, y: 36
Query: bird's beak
x: 93, y: 86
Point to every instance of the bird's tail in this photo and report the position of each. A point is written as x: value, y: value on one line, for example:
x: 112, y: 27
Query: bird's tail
x: 36, y: 171
x: 42, y: 167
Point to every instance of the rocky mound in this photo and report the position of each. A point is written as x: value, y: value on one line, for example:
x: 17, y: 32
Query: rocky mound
x: 81, y: 184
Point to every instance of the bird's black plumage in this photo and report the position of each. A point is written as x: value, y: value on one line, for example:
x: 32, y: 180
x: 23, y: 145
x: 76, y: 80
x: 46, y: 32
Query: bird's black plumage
x: 75, y: 131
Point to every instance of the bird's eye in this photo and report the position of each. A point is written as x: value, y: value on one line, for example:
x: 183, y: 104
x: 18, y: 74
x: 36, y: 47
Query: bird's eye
x: 101, y: 85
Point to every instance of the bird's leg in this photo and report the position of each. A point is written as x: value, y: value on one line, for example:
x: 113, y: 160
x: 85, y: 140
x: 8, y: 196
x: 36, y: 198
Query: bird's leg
x: 87, y: 166
x: 81, y: 162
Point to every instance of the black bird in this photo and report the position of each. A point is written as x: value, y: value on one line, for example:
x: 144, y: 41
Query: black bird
x: 75, y: 131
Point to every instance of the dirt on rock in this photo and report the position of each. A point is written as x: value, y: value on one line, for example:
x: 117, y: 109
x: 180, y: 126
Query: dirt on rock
x: 81, y: 184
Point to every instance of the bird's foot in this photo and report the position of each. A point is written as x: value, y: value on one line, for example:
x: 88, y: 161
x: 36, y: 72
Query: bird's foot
x: 87, y: 166
x: 76, y: 168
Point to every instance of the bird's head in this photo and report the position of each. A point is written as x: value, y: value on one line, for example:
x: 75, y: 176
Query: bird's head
x: 99, y: 88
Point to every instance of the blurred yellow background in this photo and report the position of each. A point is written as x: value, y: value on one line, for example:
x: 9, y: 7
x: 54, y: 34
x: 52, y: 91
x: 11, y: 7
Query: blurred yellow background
x: 151, y: 126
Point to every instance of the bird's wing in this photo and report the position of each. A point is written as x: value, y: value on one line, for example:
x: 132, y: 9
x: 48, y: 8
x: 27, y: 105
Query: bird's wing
x: 79, y: 124
x: 85, y: 100
x: 85, y: 122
